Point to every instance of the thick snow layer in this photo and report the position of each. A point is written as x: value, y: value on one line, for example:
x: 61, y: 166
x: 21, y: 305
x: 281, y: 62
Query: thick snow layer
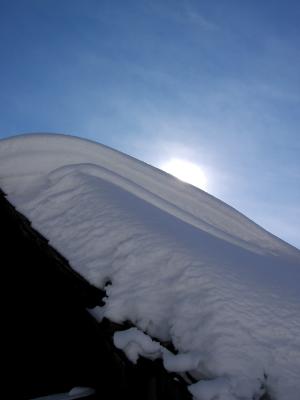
x: 183, y: 265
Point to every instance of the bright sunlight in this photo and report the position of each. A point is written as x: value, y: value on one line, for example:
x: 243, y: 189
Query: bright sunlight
x: 186, y: 171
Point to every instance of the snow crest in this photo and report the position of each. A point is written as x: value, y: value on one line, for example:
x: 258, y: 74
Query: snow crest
x: 183, y: 265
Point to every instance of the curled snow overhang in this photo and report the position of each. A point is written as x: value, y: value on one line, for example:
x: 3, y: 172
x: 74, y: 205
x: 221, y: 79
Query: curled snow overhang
x: 25, y: 158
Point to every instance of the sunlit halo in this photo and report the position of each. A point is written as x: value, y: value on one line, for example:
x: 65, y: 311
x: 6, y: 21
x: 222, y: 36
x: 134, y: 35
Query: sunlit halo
x: 186, y: 171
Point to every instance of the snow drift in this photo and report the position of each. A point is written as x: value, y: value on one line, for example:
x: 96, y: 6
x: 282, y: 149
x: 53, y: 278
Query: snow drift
x: 183, y: 265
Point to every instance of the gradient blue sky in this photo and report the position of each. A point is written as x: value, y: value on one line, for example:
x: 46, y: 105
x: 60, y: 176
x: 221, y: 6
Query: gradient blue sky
x: 216, y: 82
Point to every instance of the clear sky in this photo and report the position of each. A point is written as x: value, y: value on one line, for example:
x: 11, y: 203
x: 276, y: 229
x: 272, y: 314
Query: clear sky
x: 215, y: 82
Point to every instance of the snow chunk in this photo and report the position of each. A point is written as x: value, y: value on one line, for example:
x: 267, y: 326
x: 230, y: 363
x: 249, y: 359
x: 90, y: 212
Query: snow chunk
x: 135, y: 343
x: 215, y: 389
x: 97, y: 313
x: 75, y: 393
x: 183, y: 362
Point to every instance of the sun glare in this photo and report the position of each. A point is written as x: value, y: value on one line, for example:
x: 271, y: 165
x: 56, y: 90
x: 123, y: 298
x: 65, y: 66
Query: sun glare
x: 186, y: 171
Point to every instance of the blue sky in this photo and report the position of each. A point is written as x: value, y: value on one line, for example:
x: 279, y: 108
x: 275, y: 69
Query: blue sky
x: 216, y: 82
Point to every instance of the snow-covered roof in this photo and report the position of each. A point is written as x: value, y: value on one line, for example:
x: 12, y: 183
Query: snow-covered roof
x: 183, y: 265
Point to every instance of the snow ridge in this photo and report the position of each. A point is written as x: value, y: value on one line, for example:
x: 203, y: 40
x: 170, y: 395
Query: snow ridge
x: 184, y: 266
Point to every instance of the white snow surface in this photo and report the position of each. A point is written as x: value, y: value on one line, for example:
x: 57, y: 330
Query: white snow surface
x: 183, y: 265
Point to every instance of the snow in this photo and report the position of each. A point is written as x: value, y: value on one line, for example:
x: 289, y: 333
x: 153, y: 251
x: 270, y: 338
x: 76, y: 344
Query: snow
x: 183, y: 266
x: 135, y: 343
x: 211, y: 389
x: 75, y: 393
x: 97, y: 313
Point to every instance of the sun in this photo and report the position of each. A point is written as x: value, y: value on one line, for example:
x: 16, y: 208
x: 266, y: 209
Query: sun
x: 186, y: 171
